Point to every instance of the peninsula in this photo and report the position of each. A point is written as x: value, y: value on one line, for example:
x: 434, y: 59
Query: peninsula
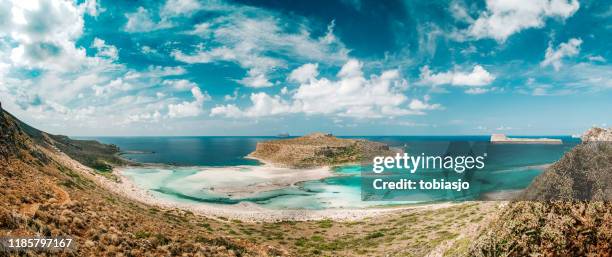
x: 318, y: 150
x: 503, y: 139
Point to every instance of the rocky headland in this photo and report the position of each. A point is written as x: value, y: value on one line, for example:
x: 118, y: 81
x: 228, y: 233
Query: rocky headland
x: 318, y: 150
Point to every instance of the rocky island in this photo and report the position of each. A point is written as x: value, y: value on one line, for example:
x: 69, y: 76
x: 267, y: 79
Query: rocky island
x: 503, y: 139
x: 317, y: 150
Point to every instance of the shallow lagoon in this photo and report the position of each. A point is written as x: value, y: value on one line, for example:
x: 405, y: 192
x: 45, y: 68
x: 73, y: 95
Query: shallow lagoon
x: 510, y: 168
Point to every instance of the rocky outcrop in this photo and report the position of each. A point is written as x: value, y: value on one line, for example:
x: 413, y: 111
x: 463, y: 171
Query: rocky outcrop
x: 316, y: 150
x: 598, y: 134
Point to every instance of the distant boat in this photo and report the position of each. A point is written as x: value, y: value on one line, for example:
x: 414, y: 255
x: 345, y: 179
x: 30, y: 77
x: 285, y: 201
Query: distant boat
x: 283, y: 135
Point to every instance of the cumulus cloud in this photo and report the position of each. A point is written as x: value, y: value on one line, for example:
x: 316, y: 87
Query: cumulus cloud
x: 179, y: 7
x: 92, y: 7
x: 71, y: 87
x: 260, y: 44
x: 189, y: 109
x: 478, y: 77
x: 349, y: 95
x: 105, y: 50
x: 180, y: 84
x: 503, y: 18
x: 554, y: 56
x: 304, y: 73
x: 141, y: 21
x: 115, y: 85
x: 419, y: 105
x: 45, y: 32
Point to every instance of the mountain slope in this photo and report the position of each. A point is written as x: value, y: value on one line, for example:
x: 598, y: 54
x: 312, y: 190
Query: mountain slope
x: 43, y: 196
x: 566, y: 211
x: 91, y: 153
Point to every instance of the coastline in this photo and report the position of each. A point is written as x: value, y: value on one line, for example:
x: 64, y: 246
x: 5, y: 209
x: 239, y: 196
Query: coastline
x: 244, y: 211
x: 251, y: 212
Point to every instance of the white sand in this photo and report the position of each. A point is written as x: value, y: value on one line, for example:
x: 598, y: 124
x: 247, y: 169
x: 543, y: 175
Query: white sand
x: 245, y: 211
x: 222, y: 180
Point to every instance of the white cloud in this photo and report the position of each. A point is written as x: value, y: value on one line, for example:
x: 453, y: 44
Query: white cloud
x: 180, y: 84
x: 504, y: 18
x: 189, y: 109
x: 260, y: 44
x: 255, y: 79
x: 148, y: 50
x: 180, y: 7
x: 262, y: 105
x: 92, y: 7
x: 419, y: 105
x: 478, y: 77
x: 596, y: 58
x: 43, y: 33
x: 115, y: 85
x: 164, y: 71
x: 304, y: 73
x: 231, y: 97
x: 104, y: 50
x: 142, y: 21
x: 554, y: 56
x: 476, y: 91
x: 351, y: 95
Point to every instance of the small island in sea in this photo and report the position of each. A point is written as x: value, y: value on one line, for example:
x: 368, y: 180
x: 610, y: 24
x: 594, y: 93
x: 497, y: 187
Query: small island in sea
x: 503, y: 139
x: 317, y: 150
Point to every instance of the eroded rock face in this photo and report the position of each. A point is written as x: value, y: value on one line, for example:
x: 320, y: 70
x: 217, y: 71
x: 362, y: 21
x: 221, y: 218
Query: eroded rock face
x: 598, y: 134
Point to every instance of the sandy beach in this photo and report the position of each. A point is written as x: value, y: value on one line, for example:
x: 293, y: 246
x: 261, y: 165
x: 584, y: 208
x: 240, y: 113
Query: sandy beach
x: 253, y: 179
x: 244, y: 211
x: 251, y: 212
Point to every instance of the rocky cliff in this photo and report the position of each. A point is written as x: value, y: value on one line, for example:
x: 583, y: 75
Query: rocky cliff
x: 318, y: 149
x: 598, y: 134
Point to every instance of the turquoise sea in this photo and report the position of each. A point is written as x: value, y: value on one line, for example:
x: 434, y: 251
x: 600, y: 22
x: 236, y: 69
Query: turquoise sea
x: 509, y: 167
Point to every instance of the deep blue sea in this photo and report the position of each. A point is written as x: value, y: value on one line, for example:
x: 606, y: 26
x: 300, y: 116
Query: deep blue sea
x: 509, y: 167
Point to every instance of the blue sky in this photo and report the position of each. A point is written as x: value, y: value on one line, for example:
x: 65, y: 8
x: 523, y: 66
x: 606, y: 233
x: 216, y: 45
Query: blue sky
x: 351, y: 67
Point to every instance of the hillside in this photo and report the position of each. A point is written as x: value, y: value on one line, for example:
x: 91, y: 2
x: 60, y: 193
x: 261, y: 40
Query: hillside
x: 93, y: 154
x: 318, y: 149
x: 42, y: 195
x: 566, y: 211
